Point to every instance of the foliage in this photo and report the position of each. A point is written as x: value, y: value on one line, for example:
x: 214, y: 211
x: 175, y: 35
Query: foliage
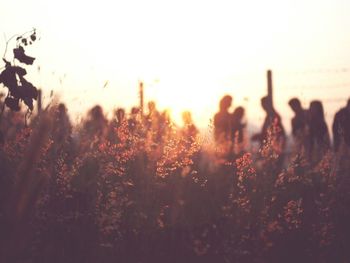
x: 12, y: 76
x: 123, y: 197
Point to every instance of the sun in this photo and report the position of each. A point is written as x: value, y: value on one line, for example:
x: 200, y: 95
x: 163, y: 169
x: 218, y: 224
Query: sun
x: 188, y: 92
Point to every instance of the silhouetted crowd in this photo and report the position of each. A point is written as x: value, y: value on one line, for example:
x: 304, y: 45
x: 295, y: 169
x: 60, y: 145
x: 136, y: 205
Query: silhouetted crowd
x: 309, y: 129
x: 311, y: 138
x: 156, y: 125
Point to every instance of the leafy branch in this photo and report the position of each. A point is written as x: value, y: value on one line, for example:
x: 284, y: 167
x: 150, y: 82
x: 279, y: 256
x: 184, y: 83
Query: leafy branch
x: 12, y: 76
x: 24, y: 40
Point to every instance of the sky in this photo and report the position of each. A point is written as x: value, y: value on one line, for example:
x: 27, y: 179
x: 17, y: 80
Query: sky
x: 188, y: 53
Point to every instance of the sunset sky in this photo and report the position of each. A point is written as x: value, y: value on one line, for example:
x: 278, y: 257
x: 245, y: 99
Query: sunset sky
x: 188, y: 53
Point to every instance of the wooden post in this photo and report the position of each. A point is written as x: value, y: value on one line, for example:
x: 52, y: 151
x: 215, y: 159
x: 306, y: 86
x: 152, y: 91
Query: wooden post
x: 141, y: 98
x: 269, y: 87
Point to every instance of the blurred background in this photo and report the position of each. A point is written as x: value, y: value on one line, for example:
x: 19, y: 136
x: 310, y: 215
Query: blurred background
x: 188, y: 53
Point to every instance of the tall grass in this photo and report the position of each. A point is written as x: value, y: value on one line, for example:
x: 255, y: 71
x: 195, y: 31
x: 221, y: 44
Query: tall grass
x: 154, y: 195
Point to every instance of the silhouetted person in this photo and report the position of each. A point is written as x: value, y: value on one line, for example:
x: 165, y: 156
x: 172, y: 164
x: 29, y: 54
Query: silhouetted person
x: 222, y: 121
x: 152, y: 118
x: 341, y: 128
x: 299, y: 124
x: 319, y: 139
x: 189, y: 130
x: 117, y: 122
x: 272, y: 127
x: 96, y: 124
x: 165, y: 125
x: 120, y: 116
x: 237, y: 127
x: 62, y: 127
x: 134, y: 120
x: 152, y: 123
x: 237, y: 130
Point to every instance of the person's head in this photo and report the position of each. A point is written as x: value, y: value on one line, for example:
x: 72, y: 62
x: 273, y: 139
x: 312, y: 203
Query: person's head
x: 61, y: 109
x: 120, y: 114
x: 96, y: 112
x: 225, y: 102
x: 295, y: 104
x: 135, y: 111
x: 186, y: 117
x: 238, y: 113
x: 266, y: 104
x: 316, y: 110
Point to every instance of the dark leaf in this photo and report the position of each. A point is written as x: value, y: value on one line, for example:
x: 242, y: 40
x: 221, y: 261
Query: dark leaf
x: 33, y: 37
x: 29, y: 103
x: 12, y: 103
x: 8, y: 78
x: 17, y: 92
x: 20, y: 71
x: 8, y: 64
x: 19, y: 54
x: 28, y: 89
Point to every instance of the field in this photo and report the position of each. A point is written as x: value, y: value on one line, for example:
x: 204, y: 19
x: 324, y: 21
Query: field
x: 98, y: 192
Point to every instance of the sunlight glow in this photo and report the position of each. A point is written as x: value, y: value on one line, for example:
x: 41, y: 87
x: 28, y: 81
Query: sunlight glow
x: 188, y: 53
